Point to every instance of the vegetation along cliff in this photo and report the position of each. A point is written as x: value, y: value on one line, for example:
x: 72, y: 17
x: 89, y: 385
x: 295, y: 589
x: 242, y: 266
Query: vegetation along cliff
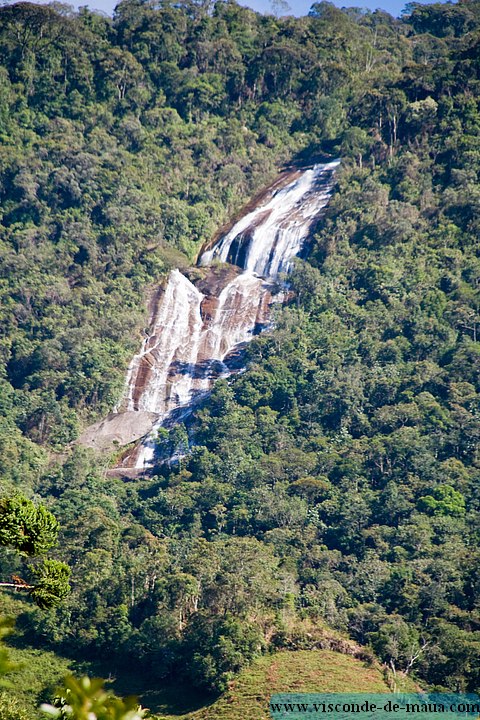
x: 326, y: 497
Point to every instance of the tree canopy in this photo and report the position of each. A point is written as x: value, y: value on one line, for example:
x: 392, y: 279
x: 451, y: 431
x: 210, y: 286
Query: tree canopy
x: 32, y: 530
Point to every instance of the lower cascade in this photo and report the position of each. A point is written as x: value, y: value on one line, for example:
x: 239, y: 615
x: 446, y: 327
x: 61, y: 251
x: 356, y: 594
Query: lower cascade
x: 198, y: 326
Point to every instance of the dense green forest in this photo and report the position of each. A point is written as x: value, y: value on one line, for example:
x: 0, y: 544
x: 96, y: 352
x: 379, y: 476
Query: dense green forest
x: 334, y: 484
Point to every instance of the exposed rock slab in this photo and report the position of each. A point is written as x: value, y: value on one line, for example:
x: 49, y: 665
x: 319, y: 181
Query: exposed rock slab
x: 118, y: 429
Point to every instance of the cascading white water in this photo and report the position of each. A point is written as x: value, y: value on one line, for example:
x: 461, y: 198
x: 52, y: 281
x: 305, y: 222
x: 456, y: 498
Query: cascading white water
x: 178, y: 358
x: 175, y: 337
x: 266, y: 239
x: 193, y: 332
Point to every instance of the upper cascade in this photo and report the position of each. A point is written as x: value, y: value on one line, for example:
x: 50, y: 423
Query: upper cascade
x: 265, y: 240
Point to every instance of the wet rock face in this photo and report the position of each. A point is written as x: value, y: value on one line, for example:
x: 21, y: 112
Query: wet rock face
x: 199, y: 325
x: 208, y: 309
x: 190, y: 336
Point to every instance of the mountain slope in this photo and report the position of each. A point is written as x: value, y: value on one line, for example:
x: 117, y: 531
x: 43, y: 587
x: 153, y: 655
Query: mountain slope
x: 296, y: 671
x: 336, y: 481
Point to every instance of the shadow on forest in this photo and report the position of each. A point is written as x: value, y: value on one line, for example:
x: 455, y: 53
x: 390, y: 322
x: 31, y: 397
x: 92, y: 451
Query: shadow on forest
x: 170, y: 696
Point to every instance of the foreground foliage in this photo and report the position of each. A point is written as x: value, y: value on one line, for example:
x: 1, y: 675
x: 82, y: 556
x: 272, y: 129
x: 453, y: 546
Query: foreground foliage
x: 87, y: 699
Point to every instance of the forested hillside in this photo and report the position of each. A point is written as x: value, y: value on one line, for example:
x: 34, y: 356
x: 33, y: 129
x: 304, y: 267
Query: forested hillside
x: 334, y: 484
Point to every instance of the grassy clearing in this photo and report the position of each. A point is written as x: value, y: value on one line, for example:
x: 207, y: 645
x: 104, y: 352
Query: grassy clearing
x: 298, y: 671
x: 39, y: 673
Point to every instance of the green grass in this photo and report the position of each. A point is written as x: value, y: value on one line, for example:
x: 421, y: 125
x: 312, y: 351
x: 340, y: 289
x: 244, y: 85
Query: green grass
x: 39, y: 672
x: 35, y: 681
x: 298, y: 671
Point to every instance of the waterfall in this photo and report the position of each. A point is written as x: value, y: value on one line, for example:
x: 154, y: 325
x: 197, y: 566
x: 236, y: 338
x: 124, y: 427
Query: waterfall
x: 196, y: 328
